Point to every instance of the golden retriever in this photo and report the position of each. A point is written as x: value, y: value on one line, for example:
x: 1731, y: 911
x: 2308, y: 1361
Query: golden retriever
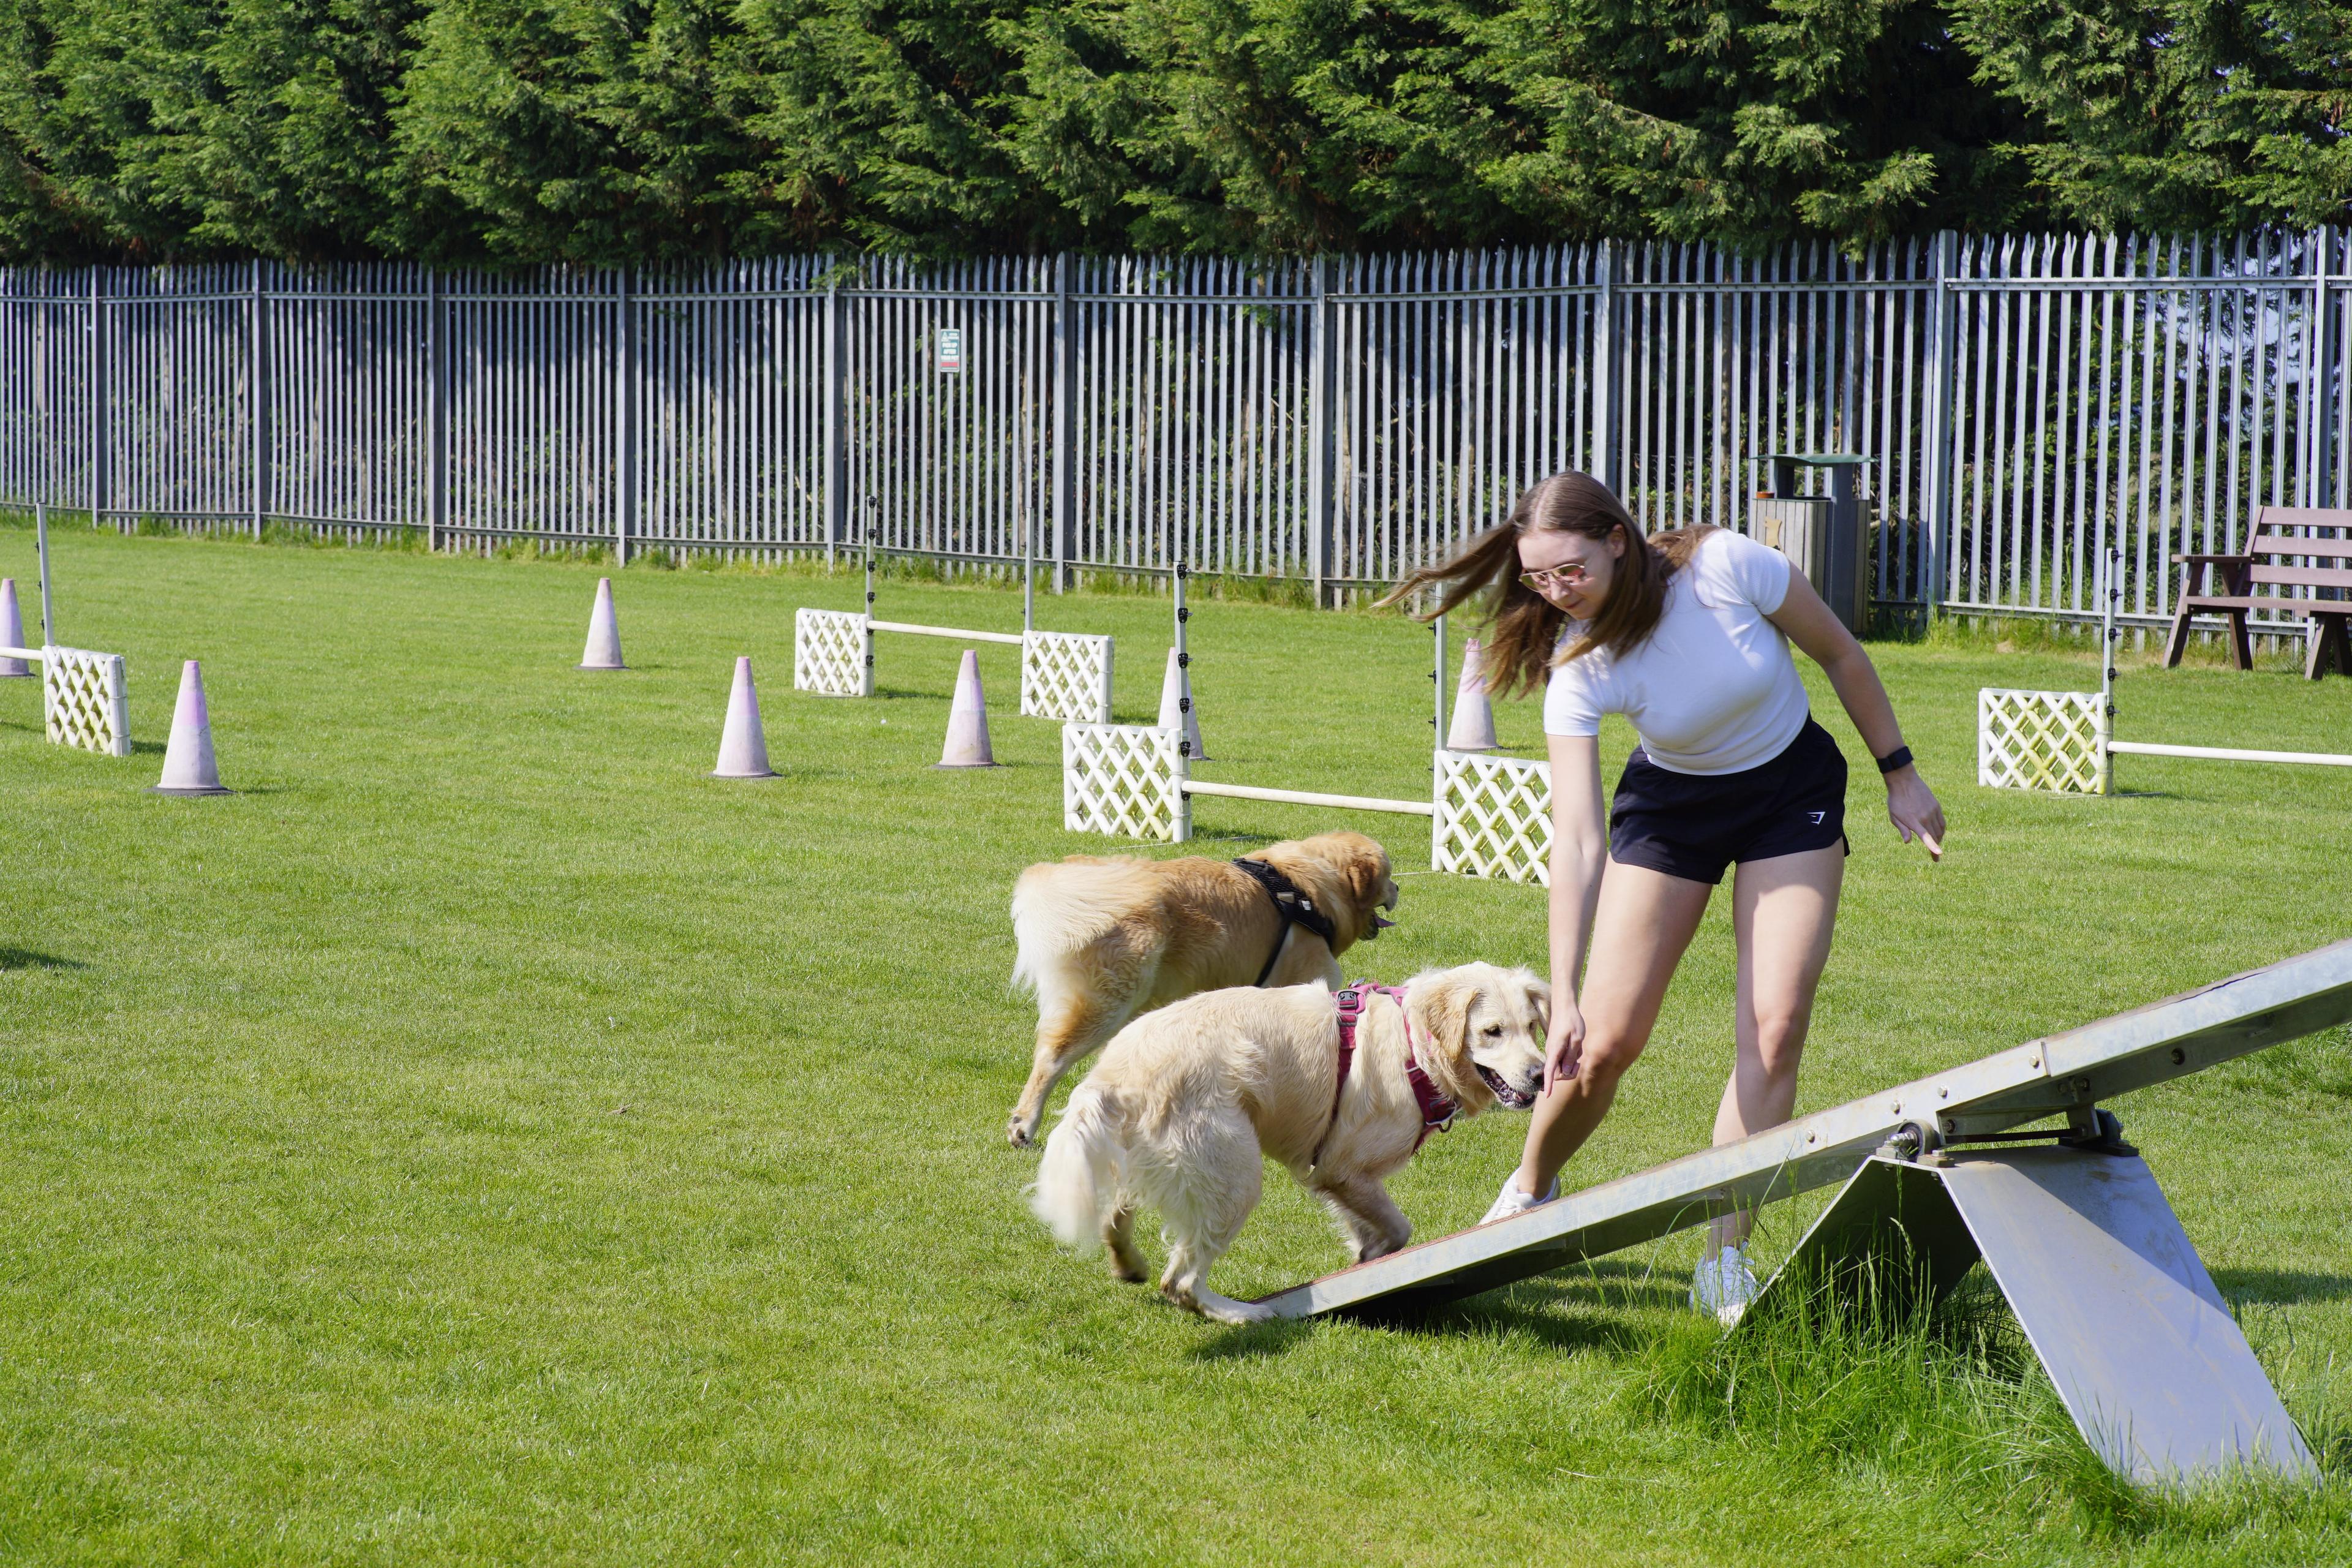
x: 1187, y: 1101
x: 1103, y: 938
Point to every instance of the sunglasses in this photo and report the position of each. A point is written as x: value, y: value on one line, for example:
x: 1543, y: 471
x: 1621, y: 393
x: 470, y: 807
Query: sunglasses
x: 1558, y: 577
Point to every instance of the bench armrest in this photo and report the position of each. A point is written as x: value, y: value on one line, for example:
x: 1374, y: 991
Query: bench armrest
x: 2214, y: 559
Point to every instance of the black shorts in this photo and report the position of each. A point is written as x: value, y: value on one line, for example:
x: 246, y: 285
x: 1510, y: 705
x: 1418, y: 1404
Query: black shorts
x: 1695, y: 825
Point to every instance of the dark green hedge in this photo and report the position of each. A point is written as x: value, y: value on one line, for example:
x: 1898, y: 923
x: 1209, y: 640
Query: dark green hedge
x: 513, y: 132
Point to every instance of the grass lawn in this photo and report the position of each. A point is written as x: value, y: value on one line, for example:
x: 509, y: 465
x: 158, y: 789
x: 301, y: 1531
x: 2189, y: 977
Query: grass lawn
x: 484, y: 1138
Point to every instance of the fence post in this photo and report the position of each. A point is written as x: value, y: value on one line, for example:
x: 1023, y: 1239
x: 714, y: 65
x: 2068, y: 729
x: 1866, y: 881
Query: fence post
x: 626, y: 460
x: 1935, y: 430
x: 97, y: 399
x: 437, y: 414
x: 1604, y: 370
x: 259, y: 412
x: 1320, y: 420
x: 2314, y: 362
x: 836, y: 505
x: 1065, y: 433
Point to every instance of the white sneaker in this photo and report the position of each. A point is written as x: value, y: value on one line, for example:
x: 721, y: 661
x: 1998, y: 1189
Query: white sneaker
x: 1724, y: 1285
x: 1511, y: 1201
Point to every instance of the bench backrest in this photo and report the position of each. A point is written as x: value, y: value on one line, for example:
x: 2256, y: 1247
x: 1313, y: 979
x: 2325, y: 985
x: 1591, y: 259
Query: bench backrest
x: 2329, y: 549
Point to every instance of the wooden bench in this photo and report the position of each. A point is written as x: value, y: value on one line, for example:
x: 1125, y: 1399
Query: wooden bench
x: 2294, y: 589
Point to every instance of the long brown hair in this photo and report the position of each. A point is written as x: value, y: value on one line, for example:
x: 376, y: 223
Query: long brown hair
x: 1522, y: 627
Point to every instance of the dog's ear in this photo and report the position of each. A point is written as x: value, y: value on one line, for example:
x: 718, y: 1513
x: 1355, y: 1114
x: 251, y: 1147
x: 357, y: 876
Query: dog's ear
x: 1538, y: 996
x: 1368, y: 874
x: 1450, y: 1003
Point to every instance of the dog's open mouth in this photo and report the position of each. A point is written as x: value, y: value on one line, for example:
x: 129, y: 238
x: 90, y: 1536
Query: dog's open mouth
x: 1509, y: 1095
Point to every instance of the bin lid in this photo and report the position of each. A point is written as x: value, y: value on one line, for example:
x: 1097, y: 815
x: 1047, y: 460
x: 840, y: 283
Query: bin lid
x: 1818, y: 460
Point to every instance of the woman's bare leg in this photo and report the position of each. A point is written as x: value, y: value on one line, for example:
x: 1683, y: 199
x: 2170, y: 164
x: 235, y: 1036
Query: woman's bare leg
x: 1645, y: 921
x: 1782, y: 913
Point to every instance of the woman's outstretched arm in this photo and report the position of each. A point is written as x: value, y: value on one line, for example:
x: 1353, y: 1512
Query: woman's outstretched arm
x: 1911, y: 805
x: 1579, y: 850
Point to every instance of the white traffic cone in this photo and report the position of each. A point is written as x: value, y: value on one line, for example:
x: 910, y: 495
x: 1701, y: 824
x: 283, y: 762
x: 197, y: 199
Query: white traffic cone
x: 966, y: 745
x: 604, y: 650
x: 12, y: 632
x: 1472, y: 728
x: 188, y: 766
x: 744, y: 745
x: 1177, y: 708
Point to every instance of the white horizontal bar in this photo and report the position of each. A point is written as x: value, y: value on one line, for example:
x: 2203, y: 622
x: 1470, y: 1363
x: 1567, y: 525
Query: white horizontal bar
x: 2230, y: 753
x: 1308, y: 797
x: 32, y: 653
x: 1013, y: 638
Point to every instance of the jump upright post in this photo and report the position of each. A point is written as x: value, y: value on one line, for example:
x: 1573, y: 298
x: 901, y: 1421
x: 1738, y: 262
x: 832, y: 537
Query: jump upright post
x: 1064, y: 675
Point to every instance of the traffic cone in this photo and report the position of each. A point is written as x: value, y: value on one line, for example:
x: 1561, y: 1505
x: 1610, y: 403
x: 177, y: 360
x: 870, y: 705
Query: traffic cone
x: 12, y: 632
x: 743, y: 745
x: 1177, y: 708
x: 966, y: 745
x: 604, y: 650
x: 1473, y: 729
x: 188, y: 766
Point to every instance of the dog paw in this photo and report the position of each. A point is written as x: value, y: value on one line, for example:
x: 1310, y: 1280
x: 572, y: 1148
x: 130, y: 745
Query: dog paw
x: 1020, y: 1131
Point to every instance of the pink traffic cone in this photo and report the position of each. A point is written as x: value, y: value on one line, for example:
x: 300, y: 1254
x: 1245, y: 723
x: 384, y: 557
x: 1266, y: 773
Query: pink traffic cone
x: 188, y: 766
x: 1177, y: 708
x: 743, y: 745
x: 1473, y: 729
x: 12, y: 632
x: 966, y: 745
x: 604, y: 650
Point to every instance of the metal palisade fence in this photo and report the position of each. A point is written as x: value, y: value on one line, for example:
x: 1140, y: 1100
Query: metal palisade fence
x: 2021, y: 400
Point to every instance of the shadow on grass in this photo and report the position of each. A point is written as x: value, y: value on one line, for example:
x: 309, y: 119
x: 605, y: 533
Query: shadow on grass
x: 25, y: 958
x: 2280, y: 1286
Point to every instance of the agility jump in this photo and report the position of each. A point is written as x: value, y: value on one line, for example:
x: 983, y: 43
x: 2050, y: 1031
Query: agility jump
x: 2076, y: 1233
x: 84, y: 698
x: 1489, y: 816
x: 2064, y: 740
x: 1064, y: 675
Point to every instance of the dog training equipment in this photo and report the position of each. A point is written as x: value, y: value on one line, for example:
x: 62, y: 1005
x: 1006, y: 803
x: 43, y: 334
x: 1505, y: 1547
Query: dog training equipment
x: 1176, y: 710
x: 2064, y: 740
x: 967, y: 742
x: 2075, y: 1230
x: 1473, y: 715
x: 12, y: 634
x: 603, y: 649
x: 744, y: 745
x: 1064, y: 675
x: 188, y: 764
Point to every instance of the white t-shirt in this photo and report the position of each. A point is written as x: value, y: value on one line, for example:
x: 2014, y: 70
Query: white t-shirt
x: 1714, y: 688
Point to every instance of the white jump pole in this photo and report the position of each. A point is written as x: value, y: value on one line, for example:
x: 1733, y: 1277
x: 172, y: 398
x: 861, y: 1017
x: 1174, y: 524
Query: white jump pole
x: 1437, y: 678
x: 1313, y: 797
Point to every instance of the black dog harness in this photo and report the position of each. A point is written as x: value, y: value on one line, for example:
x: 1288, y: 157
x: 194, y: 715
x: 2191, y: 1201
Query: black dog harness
x: 1291, y: 907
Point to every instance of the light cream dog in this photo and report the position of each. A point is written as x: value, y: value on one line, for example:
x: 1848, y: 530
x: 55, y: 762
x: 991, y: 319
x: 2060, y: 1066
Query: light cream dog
x: 1105, y: 938
x: 1188, y: 1101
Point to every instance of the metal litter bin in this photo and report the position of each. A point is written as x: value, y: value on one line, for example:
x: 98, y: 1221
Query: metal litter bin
x: 1823, y: 536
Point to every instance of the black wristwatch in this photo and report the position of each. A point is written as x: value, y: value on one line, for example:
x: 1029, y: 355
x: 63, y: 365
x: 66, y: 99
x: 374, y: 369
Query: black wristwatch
x: 1900, y: 757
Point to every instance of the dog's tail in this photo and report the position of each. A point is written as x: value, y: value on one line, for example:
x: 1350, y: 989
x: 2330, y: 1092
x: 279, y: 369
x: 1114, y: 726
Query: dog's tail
x: 1060, y: 908
x: 1083, y: 1171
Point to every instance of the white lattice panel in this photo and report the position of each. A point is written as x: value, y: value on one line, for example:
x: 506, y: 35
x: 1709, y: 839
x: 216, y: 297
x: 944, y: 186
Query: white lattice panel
x: 1065, y: 675
x: 1126, y: 780
x: 85, y: 701
x: 833, y: 654
x: 1493, y: 819
x: 2041, y: 740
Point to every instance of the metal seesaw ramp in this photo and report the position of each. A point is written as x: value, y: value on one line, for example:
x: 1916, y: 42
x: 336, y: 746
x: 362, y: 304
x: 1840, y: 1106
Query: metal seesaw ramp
x: 2064, y: 1074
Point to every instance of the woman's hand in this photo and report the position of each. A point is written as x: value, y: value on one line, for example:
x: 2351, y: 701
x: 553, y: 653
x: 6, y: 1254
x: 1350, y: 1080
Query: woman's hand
x: 1564, y: 1044
x: 1912, y: 806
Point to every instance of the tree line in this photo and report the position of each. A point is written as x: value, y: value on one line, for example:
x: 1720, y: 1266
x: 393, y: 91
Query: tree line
x: 512, y: 133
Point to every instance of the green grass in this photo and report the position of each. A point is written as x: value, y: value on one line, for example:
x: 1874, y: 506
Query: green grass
x: 487, y: 1139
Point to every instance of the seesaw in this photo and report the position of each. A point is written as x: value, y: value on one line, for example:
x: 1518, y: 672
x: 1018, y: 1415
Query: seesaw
x: 2072, y: 1225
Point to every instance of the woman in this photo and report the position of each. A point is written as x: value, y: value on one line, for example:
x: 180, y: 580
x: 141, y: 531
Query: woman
x: 1688, y: 636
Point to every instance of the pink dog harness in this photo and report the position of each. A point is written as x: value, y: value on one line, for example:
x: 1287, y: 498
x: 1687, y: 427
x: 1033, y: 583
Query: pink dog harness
x: 1437, y: 1112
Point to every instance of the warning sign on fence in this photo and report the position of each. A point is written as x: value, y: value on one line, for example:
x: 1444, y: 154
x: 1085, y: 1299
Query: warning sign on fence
x: 949, y: 354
